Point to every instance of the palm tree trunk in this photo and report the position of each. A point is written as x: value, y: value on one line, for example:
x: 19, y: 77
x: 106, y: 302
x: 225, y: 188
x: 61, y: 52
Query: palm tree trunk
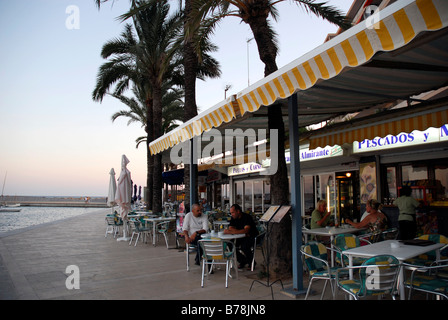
x: 149, y: 158
x: 281, y: 233
x: 190, y: 107
x: 157, y: 129
x: 263, y: 36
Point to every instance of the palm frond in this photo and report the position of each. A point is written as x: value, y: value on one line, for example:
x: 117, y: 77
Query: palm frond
x: 327, y: 12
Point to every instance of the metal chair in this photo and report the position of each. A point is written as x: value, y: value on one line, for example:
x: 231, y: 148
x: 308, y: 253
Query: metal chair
x: 429, y: 279
x: 166, y: 228
x: 216, y: 252
x: 113, y: 224
x: 388, y: 234
x: 377, y: 276
x: 258, y: 243
x: 190, y: 248
x: 347, y: 241
x: 316, y: 260
x: 428, y: 258
x: 138, y: 229
x: 110, y: 225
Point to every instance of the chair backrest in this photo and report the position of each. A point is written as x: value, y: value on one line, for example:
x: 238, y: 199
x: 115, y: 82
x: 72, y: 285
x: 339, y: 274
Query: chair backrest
x: 110, y: 220
x: 215, y: 249
x: 437, y: 238
x: 171, y: 226
x: 378, y: 275
x: 346, y: 241
x: 317, y: 250
x: 343, y: 242
x: 118, y: 220
x: 133, y: 224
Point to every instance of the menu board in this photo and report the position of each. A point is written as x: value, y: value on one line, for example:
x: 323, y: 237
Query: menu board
x: 269, y: 213
x: 281, y: 213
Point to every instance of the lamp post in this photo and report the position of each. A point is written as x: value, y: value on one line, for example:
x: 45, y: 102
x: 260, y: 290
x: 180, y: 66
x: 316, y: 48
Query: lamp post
x: 247, y: 42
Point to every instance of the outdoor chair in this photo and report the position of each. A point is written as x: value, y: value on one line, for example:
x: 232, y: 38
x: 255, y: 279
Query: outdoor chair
x: 189, y: 249
x: 377, y: 276
x: 343, y: 242
x: 388, y: 234
x: 429, y: 279
x: 166, y: 228
x: 113, y: 224
x: 428, y: 258
x: 137, y: 229
x: 216, y: 252
x: 110, y: 225
x: 316, y: 260
x: 258, y: 243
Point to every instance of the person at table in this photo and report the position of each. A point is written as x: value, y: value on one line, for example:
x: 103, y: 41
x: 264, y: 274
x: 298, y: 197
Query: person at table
x: 407, y: 224
x: 375, y: 221
x: 195, y: 224
x: 242, y: 223
x: 205, y: 206
x: 320, y: 217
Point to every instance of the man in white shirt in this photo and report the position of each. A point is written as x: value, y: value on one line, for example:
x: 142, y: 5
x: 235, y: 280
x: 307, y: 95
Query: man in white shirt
x: 195, y: 224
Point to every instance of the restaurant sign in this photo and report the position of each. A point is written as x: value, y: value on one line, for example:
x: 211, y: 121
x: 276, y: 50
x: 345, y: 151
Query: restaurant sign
x: 245, y: 168
x: 321, y: 153
x: 403, y: 139
x: 305, y: 155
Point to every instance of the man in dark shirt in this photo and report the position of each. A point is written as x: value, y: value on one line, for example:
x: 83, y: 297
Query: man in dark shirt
x: 242, y: 223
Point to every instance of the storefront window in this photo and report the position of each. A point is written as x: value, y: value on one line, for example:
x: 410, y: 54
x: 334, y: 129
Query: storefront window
x: 258, y: 196
x: 441, y: 183
x: 308, y: 194
x: 247, y: 196
x: 413, y: 172
x: 239, y: 193
x: 225, y: 195
x: 267, y: 195
x: 327, y: 191
x: 391, y: 192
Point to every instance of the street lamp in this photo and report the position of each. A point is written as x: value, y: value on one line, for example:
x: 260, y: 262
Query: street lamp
x: 247, y: 42
x: 226, y: 88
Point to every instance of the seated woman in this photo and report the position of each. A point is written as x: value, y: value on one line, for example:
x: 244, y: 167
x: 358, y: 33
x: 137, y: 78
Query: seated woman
x: 376, y: 221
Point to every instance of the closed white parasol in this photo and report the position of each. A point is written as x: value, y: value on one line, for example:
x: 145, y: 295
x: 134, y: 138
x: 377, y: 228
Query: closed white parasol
x: 112, y: 189
x: 124, y: 194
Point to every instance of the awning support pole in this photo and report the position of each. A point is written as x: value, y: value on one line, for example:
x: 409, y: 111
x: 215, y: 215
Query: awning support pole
x: 193, y: 171
x: 296, y: 200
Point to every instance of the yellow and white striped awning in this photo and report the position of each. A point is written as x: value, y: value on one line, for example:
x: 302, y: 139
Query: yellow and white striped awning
x: 386, y: 31
x: 211, y: 118
x: 389, y: 29
x: 407, y: 123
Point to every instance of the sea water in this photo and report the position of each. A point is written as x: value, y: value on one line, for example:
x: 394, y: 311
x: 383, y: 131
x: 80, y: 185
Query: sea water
x: 32, y: 216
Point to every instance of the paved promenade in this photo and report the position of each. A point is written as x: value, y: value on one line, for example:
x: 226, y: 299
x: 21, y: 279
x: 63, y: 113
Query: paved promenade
x: 33, y: 264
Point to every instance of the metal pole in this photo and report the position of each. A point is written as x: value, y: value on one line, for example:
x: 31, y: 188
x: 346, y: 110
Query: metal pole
x: 193, y: 171
x: 248, y: 76
x: 296, y: 201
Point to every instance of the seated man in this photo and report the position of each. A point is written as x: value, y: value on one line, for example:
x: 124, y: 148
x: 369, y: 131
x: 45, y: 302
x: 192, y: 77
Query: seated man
x: 195, y: 224
x: 242, y: 223
x: 320, y: 217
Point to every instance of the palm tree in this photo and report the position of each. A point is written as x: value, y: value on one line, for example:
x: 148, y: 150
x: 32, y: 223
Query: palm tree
x: 158, y: 59
x: 196, y: 61
x: 256, y: 14
x: 148, y: 62
x: 195, y: 58
x: 172, y: 109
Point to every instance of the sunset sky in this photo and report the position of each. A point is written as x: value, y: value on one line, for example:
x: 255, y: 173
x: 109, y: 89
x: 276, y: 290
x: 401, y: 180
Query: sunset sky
x: 56, y: 141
